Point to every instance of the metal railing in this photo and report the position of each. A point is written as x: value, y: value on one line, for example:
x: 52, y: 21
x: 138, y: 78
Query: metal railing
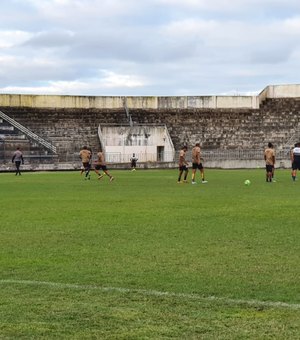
x: 166, y: 156
x: 212, y: 155
x: 293, y: 138
x: 28, y: 133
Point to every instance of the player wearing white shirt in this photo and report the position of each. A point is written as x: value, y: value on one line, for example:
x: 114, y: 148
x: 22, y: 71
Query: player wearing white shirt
x: 133, y: 161
x: 295, y: 157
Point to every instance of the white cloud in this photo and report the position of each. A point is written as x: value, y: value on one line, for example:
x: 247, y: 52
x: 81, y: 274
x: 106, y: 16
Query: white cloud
x: 12, y: 38
x: 230, y: 5
x: 147, y: 47
x: 81, y: 13
x: 112, y: 80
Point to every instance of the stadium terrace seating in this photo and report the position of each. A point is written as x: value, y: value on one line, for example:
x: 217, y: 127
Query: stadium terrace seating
x: 276, y: 120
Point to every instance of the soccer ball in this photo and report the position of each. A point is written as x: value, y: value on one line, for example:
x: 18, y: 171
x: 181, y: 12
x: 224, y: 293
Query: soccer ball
x: 247, y: 182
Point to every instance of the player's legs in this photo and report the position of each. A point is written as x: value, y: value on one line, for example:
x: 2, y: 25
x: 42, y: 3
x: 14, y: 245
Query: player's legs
x: 87, y: 172
x: 194, y: 169
x: 87, y: 168
x: 294, y: 174
x: 111, y: 178
x: 269, y: 170
x: 200, y: 167
x: 18, y: 172
x: 202, y: 173
x: 96, y: 169
x: 104, y: 169
x: 180, y: 174
x: 133, y: 165
x: 202, y: 176
x: 270, y: 176
x: 185, y: 175
x: 82, y: 169
x: 193, y: 175
x: 269, y: 173
x: 109, y: 175
x: 294, y: 171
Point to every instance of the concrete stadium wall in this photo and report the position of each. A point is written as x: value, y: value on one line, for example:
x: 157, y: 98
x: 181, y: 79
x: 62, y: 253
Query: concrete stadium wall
x: 81, y: 102
x: 280, y: 91
x: 149, y: 102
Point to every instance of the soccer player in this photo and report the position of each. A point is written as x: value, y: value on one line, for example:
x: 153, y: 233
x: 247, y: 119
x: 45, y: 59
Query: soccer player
x: 182, y: 164
x: 17, y: 158
x: 85, y: 155
x: 196, y: 160
x: 295, y: 157
x: 269, y: 156
x: 100, y: 164
x: 133, y: 161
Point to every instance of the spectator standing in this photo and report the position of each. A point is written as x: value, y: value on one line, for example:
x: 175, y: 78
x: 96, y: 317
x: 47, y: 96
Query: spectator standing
x: 18, y: 159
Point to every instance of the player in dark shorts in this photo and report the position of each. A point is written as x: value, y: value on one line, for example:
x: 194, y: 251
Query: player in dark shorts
x: 133, y: 161
x: 295, y: 158
x: 269, y: 156
x: 197, y: 164
x: 183, y: 165
x: 85, y: 155
x: 101, y: 165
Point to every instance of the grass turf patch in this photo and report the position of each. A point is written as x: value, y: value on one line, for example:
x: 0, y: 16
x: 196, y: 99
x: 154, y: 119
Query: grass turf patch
x: 145, y: 231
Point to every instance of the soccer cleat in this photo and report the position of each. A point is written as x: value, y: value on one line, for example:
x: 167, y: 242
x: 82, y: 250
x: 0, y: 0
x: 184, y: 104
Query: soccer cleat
x: 100, y: 176
x: 185, y: 181
x: 193, y: 182
x: 179, y: 182
x: 111, y: 179
x: 204, y: 182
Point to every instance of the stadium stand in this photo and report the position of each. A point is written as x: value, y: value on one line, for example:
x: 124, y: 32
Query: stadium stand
x: 220, y: 130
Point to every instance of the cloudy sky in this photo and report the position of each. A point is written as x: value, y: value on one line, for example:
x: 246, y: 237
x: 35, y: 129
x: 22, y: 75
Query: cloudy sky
x: 148, y: 47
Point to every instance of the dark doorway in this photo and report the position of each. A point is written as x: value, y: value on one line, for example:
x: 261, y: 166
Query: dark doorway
x: 160, y: 153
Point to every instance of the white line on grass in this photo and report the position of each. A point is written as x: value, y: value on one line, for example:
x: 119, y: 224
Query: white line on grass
x: 255, y: 303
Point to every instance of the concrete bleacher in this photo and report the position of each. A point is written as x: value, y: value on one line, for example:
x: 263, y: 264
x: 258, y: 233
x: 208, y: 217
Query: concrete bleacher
x: 276, y: 120
x: 67, y: 129
x: 218, y: 123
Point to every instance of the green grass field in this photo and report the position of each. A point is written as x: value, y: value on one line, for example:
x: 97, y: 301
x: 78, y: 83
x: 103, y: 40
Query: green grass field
x: 146, y: 258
